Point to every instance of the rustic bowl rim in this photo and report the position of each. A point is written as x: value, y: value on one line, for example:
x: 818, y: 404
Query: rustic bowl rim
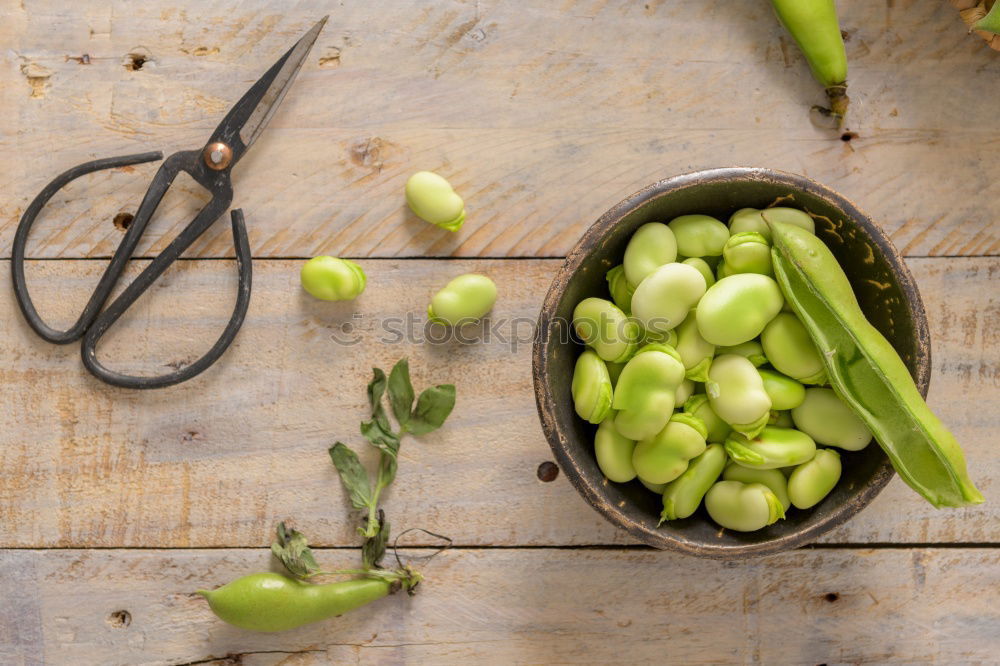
x: 593, y: 493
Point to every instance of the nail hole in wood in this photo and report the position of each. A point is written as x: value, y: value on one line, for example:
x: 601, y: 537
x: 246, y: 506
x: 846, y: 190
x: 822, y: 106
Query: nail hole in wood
x: 548, y: 471
x: 135, y: 61
x: 122, y: 221
x: 120, y: 619
x: 831, y: 596
x: 848, y: 136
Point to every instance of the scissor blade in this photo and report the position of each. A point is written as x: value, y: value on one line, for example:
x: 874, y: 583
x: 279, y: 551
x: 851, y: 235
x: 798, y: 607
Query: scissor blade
x: 250, y: 115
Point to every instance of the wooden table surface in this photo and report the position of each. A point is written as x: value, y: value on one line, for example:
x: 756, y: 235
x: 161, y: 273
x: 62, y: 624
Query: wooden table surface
x: 116, y: 505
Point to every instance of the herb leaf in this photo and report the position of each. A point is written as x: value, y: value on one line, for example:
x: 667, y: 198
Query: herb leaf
x: 401, y: 391
x: 433, y: 407
x: 376, y: 389
x: 353, y: 474
x: 293, y: 550
x: 373, y: 550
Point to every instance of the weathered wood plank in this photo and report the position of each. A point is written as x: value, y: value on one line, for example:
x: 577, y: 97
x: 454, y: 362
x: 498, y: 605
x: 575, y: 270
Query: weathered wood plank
x: 522, y: 606
x: 219, y: 460
x: 543, y: 116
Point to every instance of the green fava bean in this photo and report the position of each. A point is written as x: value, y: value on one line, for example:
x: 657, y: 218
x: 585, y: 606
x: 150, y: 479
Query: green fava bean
x: 664, y: 457
x: 737, y: 308
x: 749, y: 219
x: 272, y: 602
x: 669, y: 338
x: 785, y: 392
x: 621, y: 290
x: 614, y: 453
x: 591, y: 388
x: 332, y: 279
x: 702, y: 267
x: 682, y: 496
x: 654, y: 487
x: 792, y: 216
x: 781, y: 419
x: 722, y: 271
x: 464, y: 300
x: 684, y: 391
x: 663, y: 299
x: 736, y: 393
x: 743, y: 507
x: 810, y: 482
x: 695, y: 352
x: 791, y: 351
x: 646, y: 389
x: 699, y: 235
x: 651, y: 246
x: 751, y: 350
x: 772, y: 448
x: 827, y: 419
x: 606, y: 329
x: 698, y: 405
x: 432, y: 199
x: 748, y: 252
x: 772, y: 478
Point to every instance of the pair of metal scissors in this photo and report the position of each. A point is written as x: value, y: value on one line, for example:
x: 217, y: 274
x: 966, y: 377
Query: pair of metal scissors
x: 210, y: 167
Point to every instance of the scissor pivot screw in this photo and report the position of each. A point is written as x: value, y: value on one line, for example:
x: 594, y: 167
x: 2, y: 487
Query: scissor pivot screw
x: 218, y: 155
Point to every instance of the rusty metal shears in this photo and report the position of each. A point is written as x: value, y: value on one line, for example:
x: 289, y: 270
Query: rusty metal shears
x: 210, y: 167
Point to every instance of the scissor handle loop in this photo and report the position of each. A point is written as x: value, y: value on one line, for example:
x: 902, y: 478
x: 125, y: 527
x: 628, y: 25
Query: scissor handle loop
x: 109, y: 316
x: 111, y: 273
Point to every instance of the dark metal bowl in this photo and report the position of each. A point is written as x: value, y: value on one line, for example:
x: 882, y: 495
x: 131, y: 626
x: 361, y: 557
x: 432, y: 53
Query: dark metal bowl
x: 883, y: 286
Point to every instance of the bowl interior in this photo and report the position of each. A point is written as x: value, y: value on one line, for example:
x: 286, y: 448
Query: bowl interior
x: 881, y: 282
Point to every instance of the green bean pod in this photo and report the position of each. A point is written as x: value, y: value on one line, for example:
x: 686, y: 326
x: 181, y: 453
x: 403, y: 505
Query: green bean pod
x: 867, y: 373
x: 614, y: 453
x: 828, y: 420
x: 591, y: 388
x: 272, y: 602
x: 772, y: 448
x: 682, y: 496
x: 646, y: 389
x: 651, y: 246
x: 743, y: 507
x: 814, y: 26
x: 791, y: 351
x: 736, y: 393
x: 664, y: 457
x: 621, y: 290
x: 772, y: 478
x: 990, y: 22
x: 603, y: 327
x: 699, y: 405
x: 810, y: 482
x: 695, y: 352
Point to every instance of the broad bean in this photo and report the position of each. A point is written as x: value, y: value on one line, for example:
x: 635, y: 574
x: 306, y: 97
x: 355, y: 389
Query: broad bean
x: 792, y: 216
x: 785, y: 392
x: 682, y: 496
x: 684, y: 391
x: 751, y: 350
x: 810, y: 482
x: 463, y: 300
x: 699, y: 235
x: 663, y: 299
x: 654, y: 487
x: 749, y: 219
x: 722, y: 271
x: 621, y: 290
x: 591, y: 388
x: 695, y: 352
x: 743, y: 507
x: 702, y: 266
x: 332, y: 279
x: 748, y: 252
x: 664, y: 457
x: 772, y: 478
x: 736, y: 393
x: 698, y: 405
x: 651, y: 246
x: 791, y: 351
x: 603, y: 327
x: 614, y: 453
x: 827, y: 419
x: 772, y: 448
x: 737, y: 308
x: 781, y: 419
x: 433, y: 200
x: 646, y: 389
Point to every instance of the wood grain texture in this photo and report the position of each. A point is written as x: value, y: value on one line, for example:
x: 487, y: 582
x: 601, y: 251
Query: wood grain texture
x: 542, y: 114
x: 217, y: 461
x: 548, y: 606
